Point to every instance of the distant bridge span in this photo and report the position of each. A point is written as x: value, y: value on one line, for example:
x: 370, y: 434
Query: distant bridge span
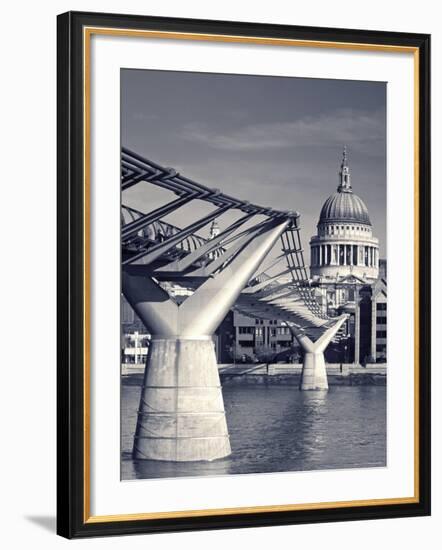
x: 181, y: 415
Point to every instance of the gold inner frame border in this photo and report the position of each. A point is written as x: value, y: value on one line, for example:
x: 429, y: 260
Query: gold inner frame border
x: 88, y: 32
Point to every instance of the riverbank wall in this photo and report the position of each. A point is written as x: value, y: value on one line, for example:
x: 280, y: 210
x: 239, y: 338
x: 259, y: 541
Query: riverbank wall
x: 274, y: 374
x: 345, y: 374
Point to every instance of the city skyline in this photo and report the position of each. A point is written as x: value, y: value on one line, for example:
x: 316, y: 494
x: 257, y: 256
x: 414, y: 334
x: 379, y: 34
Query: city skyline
x: 222, y: 320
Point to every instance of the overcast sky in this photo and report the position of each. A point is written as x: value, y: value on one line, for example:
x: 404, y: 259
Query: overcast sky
x: 275, y: 141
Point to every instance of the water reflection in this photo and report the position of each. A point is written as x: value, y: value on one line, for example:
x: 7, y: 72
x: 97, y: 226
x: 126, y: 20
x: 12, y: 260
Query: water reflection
x: 279, y: 428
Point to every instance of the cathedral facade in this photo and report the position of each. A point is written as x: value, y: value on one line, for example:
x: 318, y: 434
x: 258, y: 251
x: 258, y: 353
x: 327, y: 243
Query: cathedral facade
x: 345, y: 272
x: 344, y: 242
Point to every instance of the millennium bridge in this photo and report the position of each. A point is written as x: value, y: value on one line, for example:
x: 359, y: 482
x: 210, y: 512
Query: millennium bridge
x: 182, y: 285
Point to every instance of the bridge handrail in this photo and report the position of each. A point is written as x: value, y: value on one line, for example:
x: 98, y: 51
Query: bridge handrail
x: 136, y: 169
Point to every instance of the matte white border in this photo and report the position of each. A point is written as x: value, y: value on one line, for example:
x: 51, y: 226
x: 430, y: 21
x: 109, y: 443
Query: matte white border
x: 109, y: 495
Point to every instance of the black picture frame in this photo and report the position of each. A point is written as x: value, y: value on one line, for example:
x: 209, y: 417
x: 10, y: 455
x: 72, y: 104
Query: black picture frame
x: 72, y: 520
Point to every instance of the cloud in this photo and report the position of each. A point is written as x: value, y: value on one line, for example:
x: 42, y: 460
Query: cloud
x: 364, y: 131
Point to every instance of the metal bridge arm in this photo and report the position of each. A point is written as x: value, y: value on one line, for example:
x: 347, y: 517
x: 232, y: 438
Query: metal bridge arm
x: 205, y: 309
x: 151, y: 303
x: 147, y: 219
x: 158, y: 250
x: 205, y: 249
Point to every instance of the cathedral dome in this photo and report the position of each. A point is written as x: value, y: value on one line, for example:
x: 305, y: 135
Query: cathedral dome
x: 344, y: 205
x: 344, y: 246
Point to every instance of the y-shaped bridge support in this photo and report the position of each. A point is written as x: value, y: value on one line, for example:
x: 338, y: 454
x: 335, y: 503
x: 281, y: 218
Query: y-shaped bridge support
x: 181, y: 415
x: 314, y: 373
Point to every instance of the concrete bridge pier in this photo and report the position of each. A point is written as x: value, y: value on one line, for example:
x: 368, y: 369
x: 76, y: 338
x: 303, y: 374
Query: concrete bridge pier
x: 314, y: 372
x: 181, y: 415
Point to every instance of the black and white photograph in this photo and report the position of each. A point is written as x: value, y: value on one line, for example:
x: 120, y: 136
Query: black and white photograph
x: 254, y: 334
x: 219, y: 322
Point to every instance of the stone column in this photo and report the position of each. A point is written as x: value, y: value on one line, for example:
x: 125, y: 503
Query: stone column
x: 373, y: 328
x: 357, y: 328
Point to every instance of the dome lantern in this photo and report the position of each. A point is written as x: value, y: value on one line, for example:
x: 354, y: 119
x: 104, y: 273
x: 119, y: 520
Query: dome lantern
x: 344, y: 205
x: 345, y: 178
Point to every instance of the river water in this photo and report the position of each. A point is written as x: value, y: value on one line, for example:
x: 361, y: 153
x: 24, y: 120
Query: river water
x: 277, y: 429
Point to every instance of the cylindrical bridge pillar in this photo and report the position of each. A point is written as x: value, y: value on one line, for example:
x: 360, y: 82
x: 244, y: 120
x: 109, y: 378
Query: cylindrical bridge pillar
x: 181, y: 415
x: 314, y: 372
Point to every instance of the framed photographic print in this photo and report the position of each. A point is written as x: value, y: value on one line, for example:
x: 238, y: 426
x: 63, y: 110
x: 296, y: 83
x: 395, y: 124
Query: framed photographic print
x: 243, y: 274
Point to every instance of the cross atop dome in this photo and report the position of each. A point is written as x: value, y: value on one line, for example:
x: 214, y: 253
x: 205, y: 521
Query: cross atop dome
x: 345, y: 179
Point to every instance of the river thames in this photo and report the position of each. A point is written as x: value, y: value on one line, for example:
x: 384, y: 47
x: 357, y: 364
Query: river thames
x: 277, y: 429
